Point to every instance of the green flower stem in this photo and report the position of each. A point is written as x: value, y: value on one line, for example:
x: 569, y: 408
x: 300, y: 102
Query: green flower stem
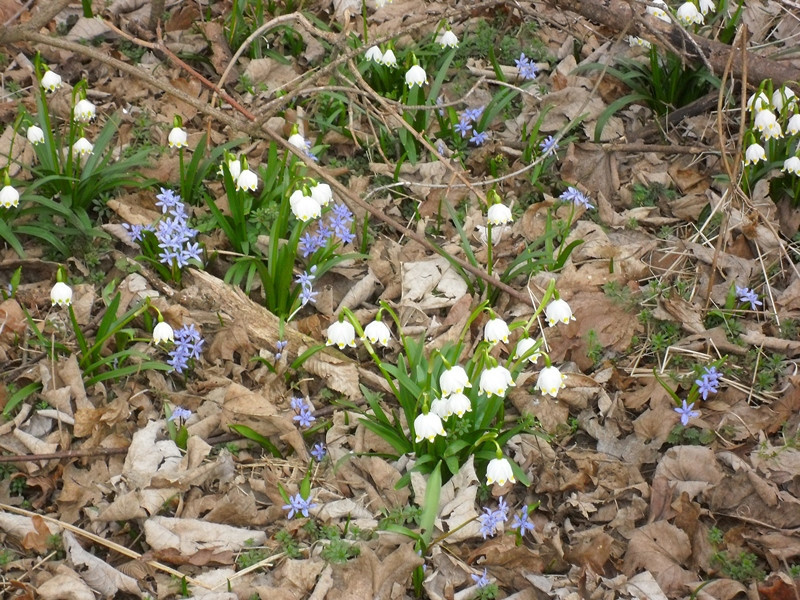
x: 550, y: 292
x: 375, y: 358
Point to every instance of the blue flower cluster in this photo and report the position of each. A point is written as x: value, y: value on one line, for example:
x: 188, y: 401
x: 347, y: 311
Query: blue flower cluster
x: 490, y: 519
x: 549, y: 145
x: 175, y: 238
x: 181, y: 414
x: 465, y: 123
x: 319, y: 451
x: 188, y: 346
x: 280, y: 345
x: 481, y: 581
x: 527, y: 69
x: 298, y: 505
x: 708, y: 382
x: 745, y: 294
x: 522, y: 522
x: 306, y: 281
x: 577, y: 197
x: 304, y: 417
x: 338, y: 223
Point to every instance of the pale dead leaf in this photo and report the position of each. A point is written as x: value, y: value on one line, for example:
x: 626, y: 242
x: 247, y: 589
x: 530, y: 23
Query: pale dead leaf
x: 270, y: 72
x: 457, y: 503
x: 662, y: 549
x: 189, y: 536
x: 87, y: 28
x: 690, y: 469
x: 643, y: 586
x: 64, y: 585
x: 147, y: 455
x: 98, y: 574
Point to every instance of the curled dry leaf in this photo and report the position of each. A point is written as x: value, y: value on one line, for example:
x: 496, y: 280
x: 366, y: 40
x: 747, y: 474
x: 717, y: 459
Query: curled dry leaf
x: 98, y: 574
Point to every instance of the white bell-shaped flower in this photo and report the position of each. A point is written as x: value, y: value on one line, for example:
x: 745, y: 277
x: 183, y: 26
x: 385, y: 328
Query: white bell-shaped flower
x: 758, y: 102
x: 550, y: 381
x: 767, y: 123
x: 35, y: 135
x: 374, y: 54
x: 754, y: 153
x: 341, y: 334
x: 304, y: 207
x: 496, y: 330
x: 82, y: 147
x: 163, y: 332
x: 441, y: 407
x: 178, y: 138
x: 707, y: 6
x: 298, y: 141
x: 458, y: 404
x: 428, y: 426
x: 389, y: 59
x: 448, y: 39
x: 495, y: 381
x: 9, y: 197
x: 247, y: 180
x: 784, y: 96
x: 51, y: 81
x: 415, y: 76
x: 659, y: 11
x: 791, y: 165
x: 499, y: 471
x: 499, y: 214
x: 793, y: 126
x: 558, y: 311
x: 523, y: 346
x: 84, y: 111
x: 454, y: 380
x: 234, y: 166
x: 61, y: 294
x: 689, y: 15
x: 377, y: 331
x: 322, y: 193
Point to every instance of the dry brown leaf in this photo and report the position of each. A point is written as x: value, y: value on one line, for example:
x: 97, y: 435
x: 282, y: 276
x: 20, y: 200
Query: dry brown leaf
x: 187, y: 537
x: 737, y: 494
x: 98, y: 574
x: 64, y: 585
x: 662, y: 549
x: 690, y: 469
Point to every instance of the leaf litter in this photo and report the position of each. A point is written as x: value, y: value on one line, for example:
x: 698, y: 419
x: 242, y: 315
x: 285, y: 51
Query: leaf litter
x: 628, y: 502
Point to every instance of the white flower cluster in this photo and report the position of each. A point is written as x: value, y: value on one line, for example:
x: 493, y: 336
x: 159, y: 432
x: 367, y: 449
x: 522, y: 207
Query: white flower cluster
x: 244, y: 178
x: 768, y: 113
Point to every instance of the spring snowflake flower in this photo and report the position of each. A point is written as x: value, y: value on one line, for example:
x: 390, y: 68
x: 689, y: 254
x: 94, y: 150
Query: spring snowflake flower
x: 637, y: 41
x: 454, y: 380
x: 550, y: 381
x: 178, y: 138
x: 688, y: 14
x: 377, y: 331
x: 754, y: 153
x: 304, y: 207
x: 495, y: 331
x: 247, y: 180
x: 82, y: 147
x: 163, y: 332
x: 784, y: 96
x: 659, y: 11
x: 389, y: 59
x: 499, y: 214
x: 61, y: 294
x: 341, y: 333
x: 428, y: 426
x: 745, y: 294
x: 707, y: 6
x: 791, y: 165
x: 298, y: 506
x: 51, y: 81
x: 35, y: 135
x: 84, y: 111
x: 499, y: 470
x: 523, y: 346
x: 496, y: 380
x: 448, y: 39
x: 9, y: 197
x: 458, y: 404
x: 558, y: 311
x: 686, y: 412
x: 374, y: 54
x: 382, y: 3
x: 758, y: 102
x: 793, y: 126
x: 234, y: 166
x: 767, y: 123
x: 416, y: 76
x: 322, y: 193
x: 441, y: 407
